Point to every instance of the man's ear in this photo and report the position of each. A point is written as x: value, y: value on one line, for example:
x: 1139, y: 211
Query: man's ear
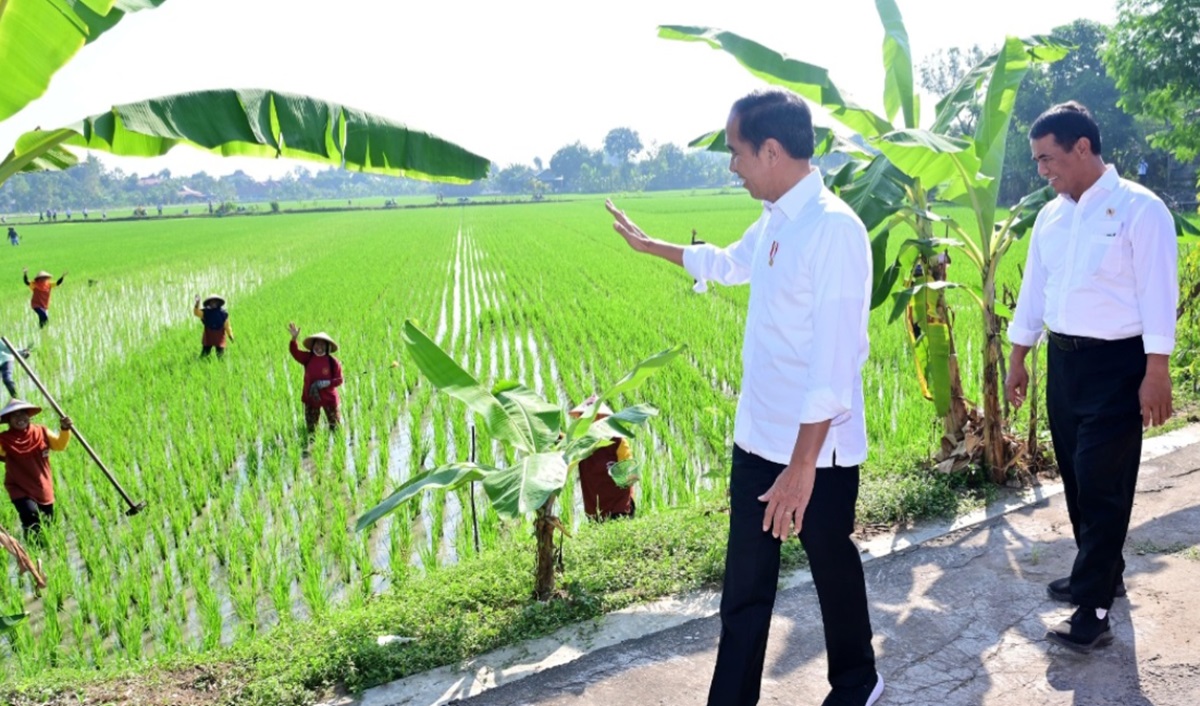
x: 1083, y: 146
x: 773, y: 150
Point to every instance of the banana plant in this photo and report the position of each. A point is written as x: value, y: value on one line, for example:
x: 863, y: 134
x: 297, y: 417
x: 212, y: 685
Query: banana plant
x: 904, y: 175
x: 39, y: 37
x: 544, y: 445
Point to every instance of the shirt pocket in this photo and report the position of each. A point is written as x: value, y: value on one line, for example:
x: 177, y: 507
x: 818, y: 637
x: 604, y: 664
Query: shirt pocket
x: 1106, y: 248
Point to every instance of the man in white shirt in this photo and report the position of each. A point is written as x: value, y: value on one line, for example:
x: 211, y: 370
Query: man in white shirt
x: 800, y: 432
x: 1100, y: 279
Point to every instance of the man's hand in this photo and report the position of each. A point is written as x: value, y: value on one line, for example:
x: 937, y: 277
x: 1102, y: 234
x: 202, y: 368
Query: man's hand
x: 65, y: 424
x: 197, y: 304
x: 1155, y: 392
x: 1016, y: 385
x: 787, y: 500
x: 633, y: 235
x: 294, y: 330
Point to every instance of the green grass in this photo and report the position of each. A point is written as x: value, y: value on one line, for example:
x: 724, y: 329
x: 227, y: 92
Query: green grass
x: 247, y: 543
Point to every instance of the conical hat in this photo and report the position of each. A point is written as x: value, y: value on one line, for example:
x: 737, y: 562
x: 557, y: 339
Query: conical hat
x: 220, y: 299
x: 16, y: 405
x: 321, y: 336
x: 43, y: 275
x: 585, y: 406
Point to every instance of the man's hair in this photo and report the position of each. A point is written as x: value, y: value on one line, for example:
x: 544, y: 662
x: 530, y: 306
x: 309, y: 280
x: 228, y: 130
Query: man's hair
x: 778, y: 114
x: 1067, y: 122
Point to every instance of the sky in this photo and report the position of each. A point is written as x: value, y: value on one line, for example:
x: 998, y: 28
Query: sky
x: 509, y: 80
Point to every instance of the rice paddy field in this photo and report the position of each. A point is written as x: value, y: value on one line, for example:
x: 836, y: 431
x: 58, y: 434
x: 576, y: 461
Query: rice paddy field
x: 250, y: 521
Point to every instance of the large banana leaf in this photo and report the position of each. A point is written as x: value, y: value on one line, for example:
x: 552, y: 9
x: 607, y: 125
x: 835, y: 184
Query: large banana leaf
x: 811, y: 82
x: 450, y: 475
x: 38, y: 151
x: 263, y: 123
x: 1040, y: 48
x: 536, y: 418
x: 448, y: 377
x: 632, y: 380
x: 898, y: 95
x: 39, y: 37
x: 875, y: 190
x: 526, y: 485
x: 937, y: 160
x: 933, y: 357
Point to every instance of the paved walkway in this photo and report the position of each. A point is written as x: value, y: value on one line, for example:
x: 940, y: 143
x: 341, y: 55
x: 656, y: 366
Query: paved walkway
x: 959, y: 620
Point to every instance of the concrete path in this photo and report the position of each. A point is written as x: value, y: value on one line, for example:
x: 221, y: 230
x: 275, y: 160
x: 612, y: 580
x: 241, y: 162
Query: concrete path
x: 959, y: 619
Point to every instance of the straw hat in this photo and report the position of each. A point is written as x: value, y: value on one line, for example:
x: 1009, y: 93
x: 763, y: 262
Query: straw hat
x: 321, y: 336
x: 43, y: 275
x: 214, y: 297
x: 16, y: 405
x: 586, y: 405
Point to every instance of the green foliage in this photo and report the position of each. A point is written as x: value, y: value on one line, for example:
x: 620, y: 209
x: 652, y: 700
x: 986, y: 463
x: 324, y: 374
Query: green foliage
x: 1155, y: 59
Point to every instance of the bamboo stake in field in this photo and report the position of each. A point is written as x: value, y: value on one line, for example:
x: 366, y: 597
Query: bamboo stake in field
x: 134, y: 508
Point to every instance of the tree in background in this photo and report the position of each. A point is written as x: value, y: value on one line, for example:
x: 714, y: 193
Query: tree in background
x: 1154, y: 55
x: 945, y: 69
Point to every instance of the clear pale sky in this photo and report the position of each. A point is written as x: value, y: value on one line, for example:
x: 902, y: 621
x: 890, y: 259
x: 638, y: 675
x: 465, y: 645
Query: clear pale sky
x: 510, y: 80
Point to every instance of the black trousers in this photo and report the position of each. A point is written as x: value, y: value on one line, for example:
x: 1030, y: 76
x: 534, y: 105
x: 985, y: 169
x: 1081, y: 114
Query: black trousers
x: 752, y: 575
x: 31, y: 514
x: 1096, y: 426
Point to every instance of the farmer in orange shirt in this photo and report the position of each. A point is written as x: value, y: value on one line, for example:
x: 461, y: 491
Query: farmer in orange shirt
x: 41, y: 285
x: 322, y: 376
x: 26, y: 449
x: 603, y: 499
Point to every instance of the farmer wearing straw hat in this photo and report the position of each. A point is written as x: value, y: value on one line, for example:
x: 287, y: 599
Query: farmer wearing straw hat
x: 41, y: 285
x: 322, y: 376
x: 26, y: 449
x: 603, y: 499
x: 216, y: 324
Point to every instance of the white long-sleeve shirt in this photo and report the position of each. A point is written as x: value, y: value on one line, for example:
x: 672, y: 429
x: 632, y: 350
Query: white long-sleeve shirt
x: 1105, y: 267
x: 808, y: 261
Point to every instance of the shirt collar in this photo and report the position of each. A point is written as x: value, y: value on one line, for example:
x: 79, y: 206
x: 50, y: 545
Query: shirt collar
x: 1107, y: 182
x: 798, y: 196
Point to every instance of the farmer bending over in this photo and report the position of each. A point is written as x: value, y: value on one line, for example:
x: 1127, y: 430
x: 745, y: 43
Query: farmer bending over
x: 216, y: 324
x: 322, y: 376
x: 26, y: 449
x: 603, y: 499
x: 40, y: 286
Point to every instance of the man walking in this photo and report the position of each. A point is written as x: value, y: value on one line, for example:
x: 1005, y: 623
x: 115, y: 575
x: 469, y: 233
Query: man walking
x: 1101, y: 279
x: 800, y: 432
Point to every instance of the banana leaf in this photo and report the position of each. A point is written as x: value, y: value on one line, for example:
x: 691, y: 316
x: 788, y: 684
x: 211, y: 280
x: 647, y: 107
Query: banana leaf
x: 806, y: 80
x: 264, y: 123
x: 448, y: 377
x: 450, y: 475
x: 8, y: 622
x: 541, y: 421
x: 39, y: 37
x: 526, y: 485
x: 898, y: 94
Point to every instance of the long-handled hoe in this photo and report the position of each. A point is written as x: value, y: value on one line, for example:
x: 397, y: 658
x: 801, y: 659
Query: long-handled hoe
x: 134, y: 508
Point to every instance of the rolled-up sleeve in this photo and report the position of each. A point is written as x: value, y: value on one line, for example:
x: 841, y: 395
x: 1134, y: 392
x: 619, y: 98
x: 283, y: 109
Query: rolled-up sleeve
x: 729, y: 265
x: 841, y: 277
x: 1155, y: 270
x: 1028, y: 323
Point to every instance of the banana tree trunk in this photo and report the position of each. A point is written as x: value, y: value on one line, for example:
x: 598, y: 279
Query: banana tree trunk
x: 543, y: 529
x: 995, y: 456
x: 954, y: 423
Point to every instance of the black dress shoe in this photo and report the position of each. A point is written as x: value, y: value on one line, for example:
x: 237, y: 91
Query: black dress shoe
x: 1082, y: 632
x: 864, y: 695
x: 1060, y: 589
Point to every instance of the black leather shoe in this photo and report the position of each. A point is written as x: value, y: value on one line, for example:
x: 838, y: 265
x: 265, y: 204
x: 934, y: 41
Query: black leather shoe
x: 1083, y: 632
x: 1060, y: 589
x: 864, y: 695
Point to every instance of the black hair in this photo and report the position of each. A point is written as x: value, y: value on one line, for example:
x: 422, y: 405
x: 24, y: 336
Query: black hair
x: 776, y: 114
x: 1067, y: 122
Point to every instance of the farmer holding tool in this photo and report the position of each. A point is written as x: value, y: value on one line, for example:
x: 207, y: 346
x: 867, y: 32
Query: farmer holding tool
x: 216, y: 324
x: 322, y: 376
x: 603, y: 499
x: 6, y: 367
x: 26, y: 449
x: 800, y: 432
x: 40, y: 286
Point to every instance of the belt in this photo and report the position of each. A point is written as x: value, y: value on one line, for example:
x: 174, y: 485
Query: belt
x: 1078, y: 343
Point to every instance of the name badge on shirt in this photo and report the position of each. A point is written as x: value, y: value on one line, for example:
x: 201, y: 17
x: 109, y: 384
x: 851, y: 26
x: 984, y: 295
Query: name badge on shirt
x: 1111, y: 213
x: 771, y: 256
